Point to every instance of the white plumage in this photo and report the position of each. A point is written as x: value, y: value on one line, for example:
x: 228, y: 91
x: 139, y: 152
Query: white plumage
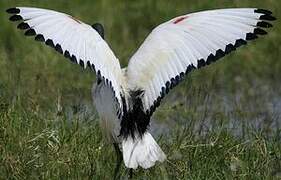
x: 177, y: 44
x: 142, y: 152
x: 126, y: 99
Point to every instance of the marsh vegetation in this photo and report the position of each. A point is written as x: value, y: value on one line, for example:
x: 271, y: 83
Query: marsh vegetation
x: 222, y: 122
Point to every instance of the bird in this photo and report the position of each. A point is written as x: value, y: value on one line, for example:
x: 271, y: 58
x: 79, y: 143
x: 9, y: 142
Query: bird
x: 126, y: 98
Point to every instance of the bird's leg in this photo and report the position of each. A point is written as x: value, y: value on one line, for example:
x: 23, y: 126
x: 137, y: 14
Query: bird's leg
x: 119, y: 161
x: 130, y: 173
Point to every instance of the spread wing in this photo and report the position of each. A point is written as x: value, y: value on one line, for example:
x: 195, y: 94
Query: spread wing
x: 74, y: 39
x: 190, y: 42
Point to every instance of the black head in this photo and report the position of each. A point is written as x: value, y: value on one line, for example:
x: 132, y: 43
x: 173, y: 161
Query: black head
x: 99, y: 28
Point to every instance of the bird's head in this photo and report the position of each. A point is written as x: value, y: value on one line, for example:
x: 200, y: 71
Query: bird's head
x: 99, y: 28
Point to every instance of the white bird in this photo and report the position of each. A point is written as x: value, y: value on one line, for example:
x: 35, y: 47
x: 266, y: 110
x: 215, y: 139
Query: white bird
x: 126, y: 98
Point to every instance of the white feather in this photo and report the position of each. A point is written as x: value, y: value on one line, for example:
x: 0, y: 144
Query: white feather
x: 144, y: 152
x: 79, y: 39
x: 184, y: 40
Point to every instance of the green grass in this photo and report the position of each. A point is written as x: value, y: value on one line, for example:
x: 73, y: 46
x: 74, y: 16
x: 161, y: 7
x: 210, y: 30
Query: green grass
x: 222, y: 122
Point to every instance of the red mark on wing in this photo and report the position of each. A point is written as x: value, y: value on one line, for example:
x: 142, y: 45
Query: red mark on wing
x: 180, y: 19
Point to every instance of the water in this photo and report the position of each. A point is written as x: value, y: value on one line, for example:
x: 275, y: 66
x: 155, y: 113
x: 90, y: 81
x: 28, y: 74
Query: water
x: 221, y: 112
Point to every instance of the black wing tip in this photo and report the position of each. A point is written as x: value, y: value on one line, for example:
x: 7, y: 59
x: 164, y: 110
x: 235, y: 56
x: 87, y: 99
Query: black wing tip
x: 40, y: 38
x: 59, y: 49
x: 30, y: 32
x: 267, y: 17
x: 259, y: 31
x: 251, y: 36
x: 266, y: 14
x: 81, y: 63
x: 73, y: 59
x: 23, y: 26
x: 67, y: 54
x: 263, y: 11
x: 240, y: 42
x: 16, y: 18
x: 99, y: 28
x: 13, y: 10
x: 229, y: 48
x: 89, y: 64
x: 264, y: 24
x: 201, y: 63
x: 50, y: 43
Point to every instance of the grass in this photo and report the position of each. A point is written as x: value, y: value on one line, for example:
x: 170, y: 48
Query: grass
x: 222, y: 122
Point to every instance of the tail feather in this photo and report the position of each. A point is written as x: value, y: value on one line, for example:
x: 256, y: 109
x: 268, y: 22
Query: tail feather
x: 142, y: 152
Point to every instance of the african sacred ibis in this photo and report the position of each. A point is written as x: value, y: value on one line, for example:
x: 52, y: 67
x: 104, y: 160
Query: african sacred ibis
x: 126, y: 98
